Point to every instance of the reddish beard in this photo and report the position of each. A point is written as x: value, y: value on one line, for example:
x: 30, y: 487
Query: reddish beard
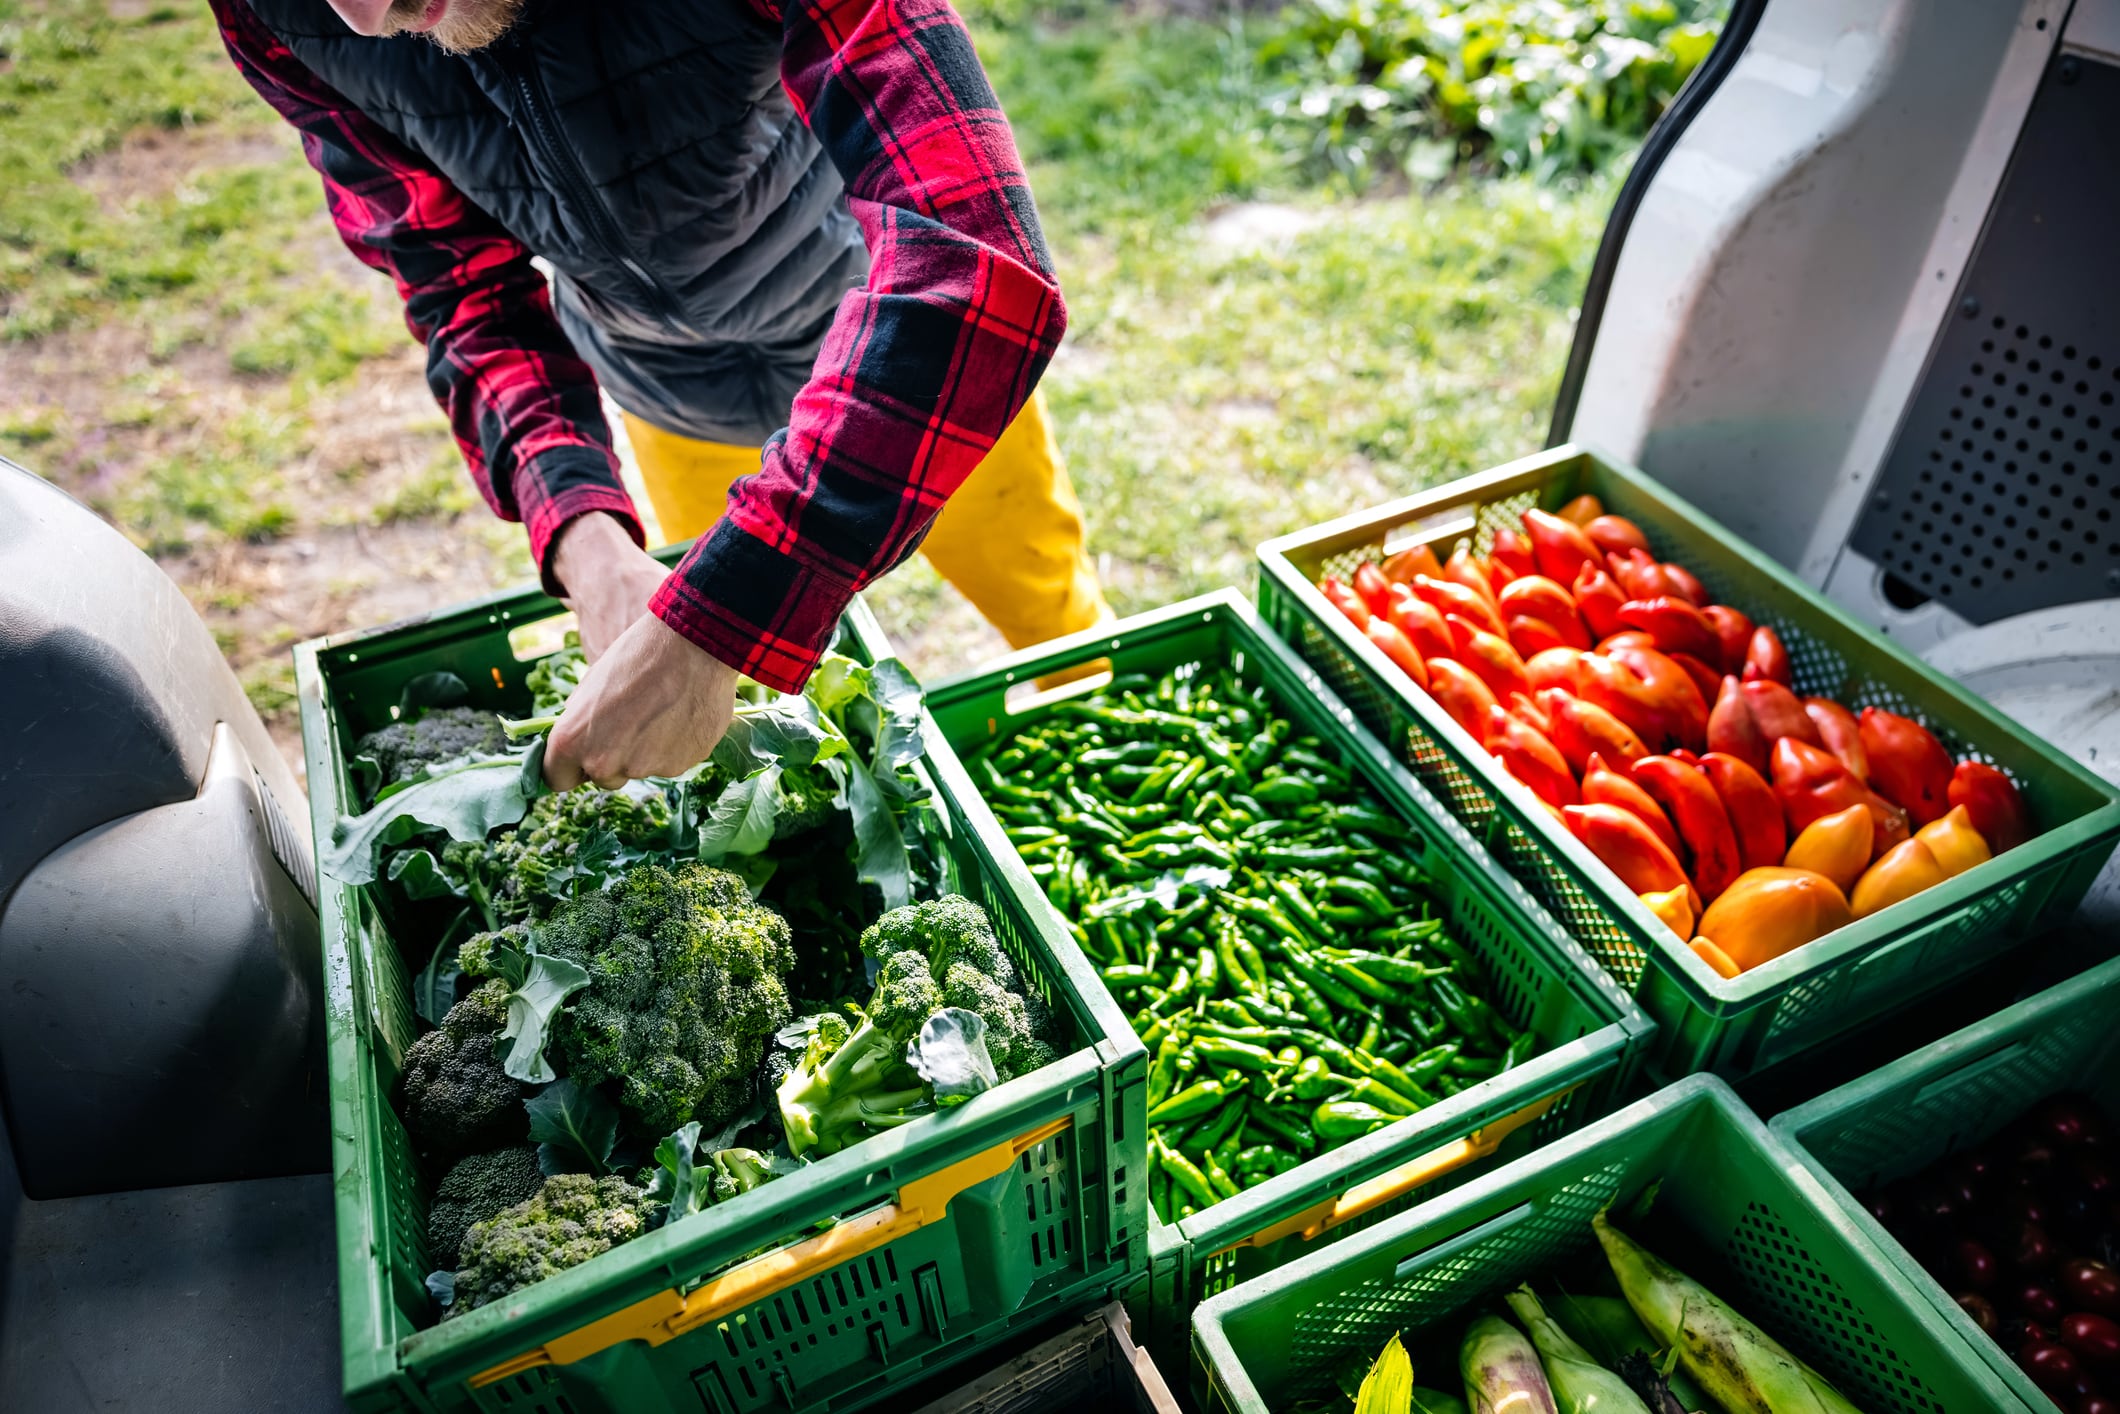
x: 465, y: 25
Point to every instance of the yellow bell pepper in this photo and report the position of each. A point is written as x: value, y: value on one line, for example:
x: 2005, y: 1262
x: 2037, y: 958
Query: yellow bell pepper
x: 1673, y: 909
x: 1770, y: 911
x: 1955, y: 843
x: 1901, y: 872
x: 1837, y: 846
x: 1715, y: 957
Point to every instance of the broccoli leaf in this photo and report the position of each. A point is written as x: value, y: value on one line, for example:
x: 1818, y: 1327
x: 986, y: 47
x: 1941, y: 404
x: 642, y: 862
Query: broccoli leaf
x: 421, y: 876
x: 366, y: 774
x: 546, y: 983
x: 434, y: 990
x: 678, y: 1181
x: 741, y: 821
x: 442, y: 1287
x: 574, y: 1127
x: 466, y: 799
x: 897, y: 698
x: 879, y: 845
x: 950, y: 1055
x: 432, y: 690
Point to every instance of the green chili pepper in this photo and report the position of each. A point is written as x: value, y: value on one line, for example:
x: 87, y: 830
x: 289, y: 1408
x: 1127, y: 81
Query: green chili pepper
x: 1227, y: 1121
x: 1295, y: 1134
x: 1285, y: 790
x: 1385, y: 1073
x: 1187, y: 774
x: 1163, y: 1072
x: 1223, y: 1051
x: 1219, y: 1177
x: 1305, y: 857
x: 1264, y: 1160
x: 1196, y: 1099
x: 1129, y: 976
x: 1314, y: 1080
x: 1185, y: 1175
x: 1338, y: 1120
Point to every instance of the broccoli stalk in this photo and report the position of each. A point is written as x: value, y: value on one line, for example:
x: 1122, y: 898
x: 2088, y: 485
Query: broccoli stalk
x: 850, y: 1082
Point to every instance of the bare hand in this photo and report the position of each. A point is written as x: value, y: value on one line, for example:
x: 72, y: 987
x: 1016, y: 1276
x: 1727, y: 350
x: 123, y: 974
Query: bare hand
x: 655, y: 705
x: 609, y: 579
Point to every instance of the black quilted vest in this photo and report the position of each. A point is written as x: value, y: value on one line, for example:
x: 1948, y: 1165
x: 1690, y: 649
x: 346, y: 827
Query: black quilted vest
x: 697, y: 234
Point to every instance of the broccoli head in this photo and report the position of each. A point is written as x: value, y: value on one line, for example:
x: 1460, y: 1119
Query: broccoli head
x: 404, y: 748
x: 687, y: 984
x: 553, y: 678
x: 474, y: 1190
x: 522, y: 872
x: 570, y: 1219
x: 850, y: 1083
x: 454, y: 1097
x: 946, y: 931
x: 804, y: 799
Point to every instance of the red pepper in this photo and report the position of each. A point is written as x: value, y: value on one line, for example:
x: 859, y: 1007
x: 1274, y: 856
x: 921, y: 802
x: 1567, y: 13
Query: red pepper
x: 1754, y: 814
x: 1540, y: 597
x: 1839, y: 733
x: 1598, y: 600
x: 1555, y: 667
x: 1559, y: 546
x: 1488, y: 655
x: 1676, y: 626
x: 1602, y: 785
x: 1811, y: 783
x: 1702, y: 822
x: 1583, y: 509
x: 1420, y: 622
x: 1704, y: 677
x: 1462, y: 695
x: 1528, y: 709
x: 1531, y: 758
x: 1610, y: 532
x: 1679, y: 580
x: 1395, y: 646
x: 1531, y: 636
x: 1513, y: 552
x: 1345, y: 600
x: 1766, y: 659
x: 1731, y: 729
x: 1627, y: 638
x: 1450, y: 597
x: 1637, y: 572
x: 1908, y: 766
x: 1402, y: 567
x: 1734, y: 632
x: 1583, y: 730
x: 1464, y: 568
x: 1627, y: 846
x: 1648, y: 692
x: 1779, y: 712
x: 1992, y: 800
x: 1369, y: 582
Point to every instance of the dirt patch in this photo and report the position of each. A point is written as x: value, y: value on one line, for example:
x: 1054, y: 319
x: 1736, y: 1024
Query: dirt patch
x: 1247, y: 226
x: 159, y: 161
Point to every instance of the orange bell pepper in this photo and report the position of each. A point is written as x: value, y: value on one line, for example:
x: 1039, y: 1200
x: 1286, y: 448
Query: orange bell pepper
x: 1836, y: 845
x: 1650, y: 693
x: 1462, y: 695
x: 1908, y: 766
x: 1463, y: 567
x: 1705, y: 949
x: 1611, y: 532
x: 1449, y: 597
x: 1489, y: 655
x: 1766, y: 659
x: 1402, y: 567
x: 1767, y: 912
x: 1559, y: 546
x: 1810, y: 782
x: 1711, y: 844
x: 1555, y: 667
x: 1676, y: 626
x: 1598, y: 599
x: 1732, y: 730
x: 1992, y: 803
x: 1513, y: 552
x: 1420, y: 621
x: 1955, y: 843
x: 1583, y: 509
x: 1531, y: 758
x: 1778, y: 713
x: 1755, y: 815
x: 1673, y: 909
x: 1626, y: 846
x: 1900, y: 872
x: 1349, y: 603
x: 1583, y: 730
x: 1542, y: 598
x: 1603, y: 785
x: 1839, y: 733
x: 1395, y: 646
x: 1679, y: 581
x: 1734, y: 632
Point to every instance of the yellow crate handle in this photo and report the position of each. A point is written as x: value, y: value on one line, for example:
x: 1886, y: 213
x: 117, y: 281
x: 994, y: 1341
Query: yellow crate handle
x: 669, y: 1314
x: 1316, y: 1221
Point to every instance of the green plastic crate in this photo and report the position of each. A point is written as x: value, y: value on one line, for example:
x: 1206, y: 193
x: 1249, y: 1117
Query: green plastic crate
x: 1592, y: 1035
x: 1737, y: 1026
x: 955, y: 1230
x: 1730, y: 1213
x: 1952, y: 1095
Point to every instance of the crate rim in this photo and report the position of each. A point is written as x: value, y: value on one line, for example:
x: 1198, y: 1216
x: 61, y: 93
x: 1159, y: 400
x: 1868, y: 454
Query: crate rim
x: 1629, y: 1030
x: 858, y: 1179
x: 1707, y: 990
x: 1970, y: 1045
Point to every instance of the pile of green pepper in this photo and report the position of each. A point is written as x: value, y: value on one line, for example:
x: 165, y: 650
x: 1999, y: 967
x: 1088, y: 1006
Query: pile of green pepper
x: 1251, y: 896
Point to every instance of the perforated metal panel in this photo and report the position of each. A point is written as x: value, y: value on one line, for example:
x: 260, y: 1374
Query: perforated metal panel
x: 2001, y: 494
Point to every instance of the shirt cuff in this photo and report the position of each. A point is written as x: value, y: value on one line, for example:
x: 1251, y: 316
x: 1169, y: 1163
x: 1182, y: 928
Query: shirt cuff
x: 563, y: 485
x: 751, y: 606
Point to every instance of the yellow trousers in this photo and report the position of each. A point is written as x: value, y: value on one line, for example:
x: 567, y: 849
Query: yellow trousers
x: 1010, y: 540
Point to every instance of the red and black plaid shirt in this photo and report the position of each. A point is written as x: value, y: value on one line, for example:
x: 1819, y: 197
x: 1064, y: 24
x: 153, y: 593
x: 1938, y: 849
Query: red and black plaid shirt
x: 922, y: 368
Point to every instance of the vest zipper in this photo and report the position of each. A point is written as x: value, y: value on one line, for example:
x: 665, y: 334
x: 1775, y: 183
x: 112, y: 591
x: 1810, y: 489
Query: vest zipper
x: 560, y: 158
